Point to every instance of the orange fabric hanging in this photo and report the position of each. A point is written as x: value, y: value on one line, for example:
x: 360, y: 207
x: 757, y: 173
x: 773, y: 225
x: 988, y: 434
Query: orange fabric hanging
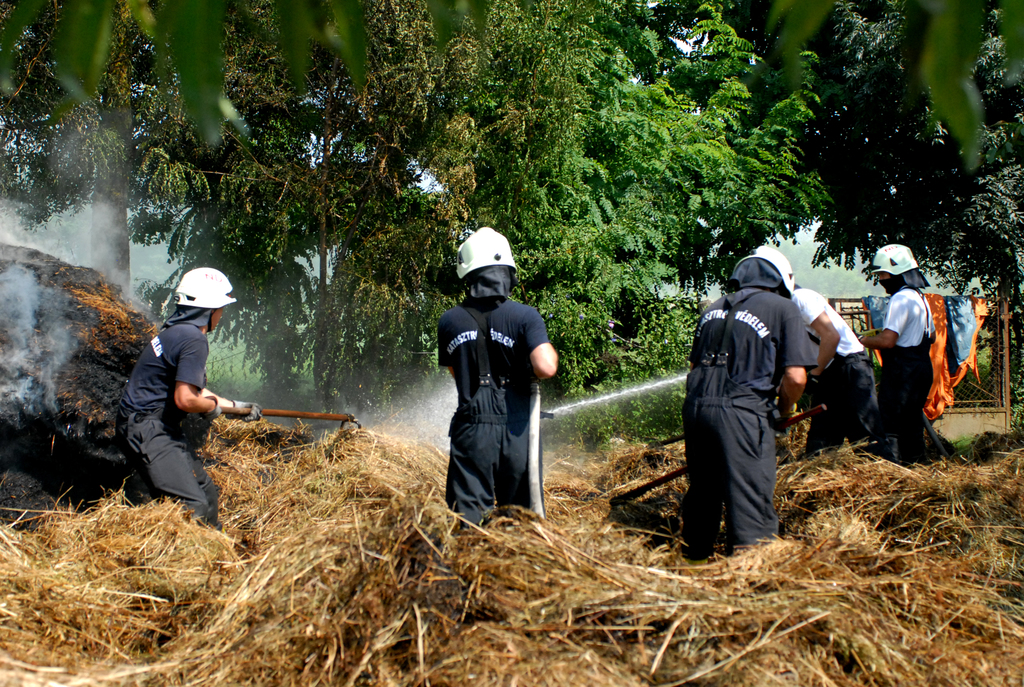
x: 941, y: 394
x: 980, y: 313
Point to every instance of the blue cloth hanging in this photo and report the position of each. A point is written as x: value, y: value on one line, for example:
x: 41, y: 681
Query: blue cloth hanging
x: 962, y: 325
x: 876, y: 306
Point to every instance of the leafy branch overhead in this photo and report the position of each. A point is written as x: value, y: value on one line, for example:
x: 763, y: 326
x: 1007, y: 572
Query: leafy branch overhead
x: 941, y: 43
x: 188, y: 35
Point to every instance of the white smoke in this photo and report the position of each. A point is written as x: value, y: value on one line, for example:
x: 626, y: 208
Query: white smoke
x: 423, y: 414
x: 35, y: 341
x: 84, y: 238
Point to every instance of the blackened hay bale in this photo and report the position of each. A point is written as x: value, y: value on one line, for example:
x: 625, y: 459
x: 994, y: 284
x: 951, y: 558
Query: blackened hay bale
x: 68, y: 341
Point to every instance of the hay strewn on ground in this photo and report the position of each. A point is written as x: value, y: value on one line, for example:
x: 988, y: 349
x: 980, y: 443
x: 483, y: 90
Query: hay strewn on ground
x: 341, y: 565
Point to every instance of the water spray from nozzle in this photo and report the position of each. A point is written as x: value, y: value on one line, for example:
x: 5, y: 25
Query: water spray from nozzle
x: 622, y: 393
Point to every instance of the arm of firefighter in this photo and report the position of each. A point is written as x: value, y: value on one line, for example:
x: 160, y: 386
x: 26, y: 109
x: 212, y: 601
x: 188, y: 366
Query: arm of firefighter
x: 544, y: 359
x: 829, y: 336
x: 793, y: 381
x: 192, y: 399
x: 887, y: 339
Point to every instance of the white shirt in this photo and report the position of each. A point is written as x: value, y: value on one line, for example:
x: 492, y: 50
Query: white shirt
x: 811, y: 305
x: 909, y: 316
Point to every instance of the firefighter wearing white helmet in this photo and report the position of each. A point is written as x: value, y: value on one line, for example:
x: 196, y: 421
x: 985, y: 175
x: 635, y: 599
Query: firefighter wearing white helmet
x: 204, y: 287
x: 750, y: 356
x: 493, y: 347
x: 907, y: 334
x: 169, y: 382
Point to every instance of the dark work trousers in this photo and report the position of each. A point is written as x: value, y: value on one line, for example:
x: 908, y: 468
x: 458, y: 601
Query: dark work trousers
x: 160, y: 454
x: 847, y: 388
x: 489, y: 460
x: 730, y: 451
x: 906, y: 380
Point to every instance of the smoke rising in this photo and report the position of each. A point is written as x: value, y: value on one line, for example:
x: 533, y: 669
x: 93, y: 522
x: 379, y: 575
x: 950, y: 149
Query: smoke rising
x: 35, y: 341
x: 84, y: 238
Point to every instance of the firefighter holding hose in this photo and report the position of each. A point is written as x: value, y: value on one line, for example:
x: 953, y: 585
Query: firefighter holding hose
x: 168, y: 382
x: 493, y: 347
x: 749, y: 347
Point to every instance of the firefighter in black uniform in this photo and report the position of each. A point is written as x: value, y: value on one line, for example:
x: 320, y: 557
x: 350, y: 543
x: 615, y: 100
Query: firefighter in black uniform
x: 493, y: 347
x: 168, y: 382
x: 749, y: 347
x: 905, y: 342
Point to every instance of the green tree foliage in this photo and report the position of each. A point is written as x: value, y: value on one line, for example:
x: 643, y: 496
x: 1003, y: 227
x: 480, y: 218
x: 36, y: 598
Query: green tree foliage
x: 941, y: 40
x: 893, y: 172
x: 187, y: 38
x: 318, y: 213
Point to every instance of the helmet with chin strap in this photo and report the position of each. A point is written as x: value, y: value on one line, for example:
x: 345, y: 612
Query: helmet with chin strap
x: 204, y: 287
x: 484, y: 248
x: 894, y: 259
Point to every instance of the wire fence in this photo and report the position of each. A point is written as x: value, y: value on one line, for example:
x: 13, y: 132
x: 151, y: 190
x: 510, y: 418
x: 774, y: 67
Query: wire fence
x: 985, y: 391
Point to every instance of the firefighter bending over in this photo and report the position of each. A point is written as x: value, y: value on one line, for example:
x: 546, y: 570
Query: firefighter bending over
x: 749, y: 347
x: 168, y: 382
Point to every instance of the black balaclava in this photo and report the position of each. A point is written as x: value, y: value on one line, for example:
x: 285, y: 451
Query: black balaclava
x: 757, y: 272
x: 912, y: 278
x: 493, y: 283
x: 187, y: 314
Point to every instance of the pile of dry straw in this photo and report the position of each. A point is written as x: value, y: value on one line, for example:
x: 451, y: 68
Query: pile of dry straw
x: 342, y: 566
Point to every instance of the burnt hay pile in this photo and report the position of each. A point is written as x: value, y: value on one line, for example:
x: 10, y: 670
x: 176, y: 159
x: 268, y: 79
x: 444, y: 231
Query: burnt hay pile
x: 68, y: 342
x: 341, y: 565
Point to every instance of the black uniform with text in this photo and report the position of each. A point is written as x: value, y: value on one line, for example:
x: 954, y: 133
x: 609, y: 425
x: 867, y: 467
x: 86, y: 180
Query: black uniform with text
x: 149, y: 422
x: 490, y: 430
x: 741, y: 348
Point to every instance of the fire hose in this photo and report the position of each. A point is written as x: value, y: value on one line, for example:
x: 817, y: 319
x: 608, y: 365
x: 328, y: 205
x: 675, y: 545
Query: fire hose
x: 533, y: 456
x: 301, y: 414
x: 664, y: 479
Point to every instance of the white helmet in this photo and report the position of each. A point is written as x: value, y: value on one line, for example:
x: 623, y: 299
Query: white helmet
x: 204, y: 287
x: 485, y: 247
x: 779, y: 262
x: 894, y: 259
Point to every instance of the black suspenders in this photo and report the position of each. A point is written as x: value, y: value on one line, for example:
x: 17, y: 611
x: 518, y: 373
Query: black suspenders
x: 483, y: 341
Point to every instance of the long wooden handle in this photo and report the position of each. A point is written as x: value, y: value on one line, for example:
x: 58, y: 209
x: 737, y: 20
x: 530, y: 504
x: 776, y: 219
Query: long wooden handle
x: 789, y: 422
x: 301, y: 414
x: 644, y: 488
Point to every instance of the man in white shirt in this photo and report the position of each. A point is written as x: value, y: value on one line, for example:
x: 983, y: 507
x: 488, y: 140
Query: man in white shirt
x: 844, y: 381
x: 904, y: 342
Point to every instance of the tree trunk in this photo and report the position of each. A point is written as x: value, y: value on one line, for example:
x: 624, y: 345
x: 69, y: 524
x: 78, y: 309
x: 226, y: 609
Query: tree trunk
x: 111, y: 237
x: 323, y: 375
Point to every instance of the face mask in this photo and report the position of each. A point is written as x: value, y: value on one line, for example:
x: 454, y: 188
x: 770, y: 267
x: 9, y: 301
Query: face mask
x: 892, y: 284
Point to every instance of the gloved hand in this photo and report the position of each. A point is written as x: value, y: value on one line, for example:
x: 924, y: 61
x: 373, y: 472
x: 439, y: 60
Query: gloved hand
x: 210, y: 415
x: 255, y: 411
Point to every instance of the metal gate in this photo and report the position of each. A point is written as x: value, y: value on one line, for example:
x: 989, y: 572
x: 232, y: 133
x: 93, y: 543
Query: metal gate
x: 982, y: 403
